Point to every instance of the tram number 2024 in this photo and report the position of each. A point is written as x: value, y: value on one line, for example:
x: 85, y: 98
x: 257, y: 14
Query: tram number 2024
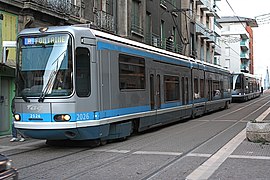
x: 82, y: 116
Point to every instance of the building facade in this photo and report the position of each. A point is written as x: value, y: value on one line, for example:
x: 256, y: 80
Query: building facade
x: 237, y: 44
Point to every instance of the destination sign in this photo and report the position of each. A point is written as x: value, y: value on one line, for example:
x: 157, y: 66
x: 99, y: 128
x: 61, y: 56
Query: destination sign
x: 46, y: 40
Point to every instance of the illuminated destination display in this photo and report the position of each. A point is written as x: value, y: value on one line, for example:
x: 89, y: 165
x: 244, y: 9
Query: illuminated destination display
x: 47, y: 40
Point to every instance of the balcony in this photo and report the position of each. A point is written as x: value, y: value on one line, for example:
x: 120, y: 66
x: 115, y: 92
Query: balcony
x: 199, y: 2
x: 163, y: 43
x: 105, y: 21
x: 211, y: 38
x: 244, y: 67
x: 244, y: 44
x: 206, y: 5
x: 204, y: 32
x: 217, y: 30
x: 244, y: 56
x: 217, y: 50
x: 60, y: 6
x: 211, y: 13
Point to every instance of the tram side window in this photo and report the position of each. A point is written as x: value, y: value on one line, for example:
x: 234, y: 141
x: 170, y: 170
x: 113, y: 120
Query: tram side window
x: 226, y: 84
x: 171, y: 88
x: 202, y: 88
x: 131, y: 72
x: 238, y: 84
x: 196, y: 89
x: 82, y: 72
x: 216, y: 89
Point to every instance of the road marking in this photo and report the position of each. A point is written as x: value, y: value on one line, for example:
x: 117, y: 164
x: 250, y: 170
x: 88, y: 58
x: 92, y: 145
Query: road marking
x: 231, y: 156
x: 199, y: 155
x: 263, y: 115
x: 250, y: 157
x: 111, y: 151
x: 212, y: 164
x: 158, y: 153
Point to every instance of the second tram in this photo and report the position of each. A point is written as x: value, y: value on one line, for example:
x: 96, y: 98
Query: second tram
x: 244, y: 87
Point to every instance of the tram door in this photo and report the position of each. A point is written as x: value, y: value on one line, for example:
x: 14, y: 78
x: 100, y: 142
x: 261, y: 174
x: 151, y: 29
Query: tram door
x: 155, y: 101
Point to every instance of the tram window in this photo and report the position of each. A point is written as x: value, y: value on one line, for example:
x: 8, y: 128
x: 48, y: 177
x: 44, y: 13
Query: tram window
x: 216, y: 89
x: 202, y: 88
x: 131, y: 72
x: 196, y: 89
x: 82, y: 72
x: 171, y: 88
x: 238, y: 83
x: 226, y: 84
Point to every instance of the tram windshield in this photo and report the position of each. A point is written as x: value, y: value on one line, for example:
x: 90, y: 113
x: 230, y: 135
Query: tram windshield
x: 44, y: 66
x: 237, y: 83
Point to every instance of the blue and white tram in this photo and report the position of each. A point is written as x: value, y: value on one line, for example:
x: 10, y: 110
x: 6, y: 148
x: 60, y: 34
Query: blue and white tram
x: 244, y: 87
x: 76, y: 83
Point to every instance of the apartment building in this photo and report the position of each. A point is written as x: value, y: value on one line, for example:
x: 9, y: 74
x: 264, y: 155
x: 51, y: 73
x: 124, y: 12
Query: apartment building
x: 237, y: 44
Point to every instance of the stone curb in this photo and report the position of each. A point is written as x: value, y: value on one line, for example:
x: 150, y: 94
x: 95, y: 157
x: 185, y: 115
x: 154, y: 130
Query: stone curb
x: 258, y: 131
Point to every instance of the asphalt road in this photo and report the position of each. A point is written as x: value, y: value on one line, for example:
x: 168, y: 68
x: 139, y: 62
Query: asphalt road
x: 210, y: 147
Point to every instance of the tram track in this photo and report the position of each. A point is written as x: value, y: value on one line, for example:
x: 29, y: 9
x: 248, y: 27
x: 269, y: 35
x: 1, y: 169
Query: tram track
x: 116, y: 157
x: 153, y: 174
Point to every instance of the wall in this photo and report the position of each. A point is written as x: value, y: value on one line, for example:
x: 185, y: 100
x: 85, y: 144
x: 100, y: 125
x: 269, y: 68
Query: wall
x: 8, y: 32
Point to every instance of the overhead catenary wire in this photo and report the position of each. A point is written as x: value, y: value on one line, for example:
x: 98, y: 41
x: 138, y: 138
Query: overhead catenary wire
x: 237, y: 16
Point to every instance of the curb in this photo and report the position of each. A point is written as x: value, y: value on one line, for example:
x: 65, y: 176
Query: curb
x: 258, y: 131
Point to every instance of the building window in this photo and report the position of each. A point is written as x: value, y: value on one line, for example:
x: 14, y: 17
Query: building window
x: 202, y: 50
x: 131, y: 72
x: 162, y: 34
x: 208, y: 54
x: 148, y: 38
x: 104, y: 5
x: 227, y: 51
x: 171, y: 88
x: 227, y: 63
x: 136, y: 19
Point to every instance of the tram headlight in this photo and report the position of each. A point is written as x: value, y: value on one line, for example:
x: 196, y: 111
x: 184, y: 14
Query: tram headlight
x: 17, y: 117
x: 62, y: 117
x: 8, y: 165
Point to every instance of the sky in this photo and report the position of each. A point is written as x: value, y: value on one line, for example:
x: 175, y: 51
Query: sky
x: 261, y: 34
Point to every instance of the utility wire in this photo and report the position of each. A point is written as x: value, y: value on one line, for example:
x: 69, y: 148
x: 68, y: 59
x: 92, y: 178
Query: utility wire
x: 237, y: 16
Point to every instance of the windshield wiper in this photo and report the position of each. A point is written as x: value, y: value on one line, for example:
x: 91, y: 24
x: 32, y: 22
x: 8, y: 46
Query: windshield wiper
x: 52, y: 76
x: 48, y: 86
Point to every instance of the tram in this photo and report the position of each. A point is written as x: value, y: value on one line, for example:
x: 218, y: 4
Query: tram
x: 244, y: 87
x: 77, y: 83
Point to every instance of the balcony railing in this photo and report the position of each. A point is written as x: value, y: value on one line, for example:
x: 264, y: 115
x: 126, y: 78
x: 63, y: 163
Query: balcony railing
x: 244, y: 67
x: 105, y: 21
x: 244, y: 55
x: 163, y: 43
x: 206, y: 5
x: 244, y: 44
x: 204, y: 31
x: 62, y: 6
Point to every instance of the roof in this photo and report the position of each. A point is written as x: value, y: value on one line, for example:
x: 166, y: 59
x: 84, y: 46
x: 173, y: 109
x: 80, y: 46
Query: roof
x: 237, y: 19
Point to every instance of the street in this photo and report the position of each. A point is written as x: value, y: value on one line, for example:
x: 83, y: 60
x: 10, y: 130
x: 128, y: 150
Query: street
x: 213, y: 146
